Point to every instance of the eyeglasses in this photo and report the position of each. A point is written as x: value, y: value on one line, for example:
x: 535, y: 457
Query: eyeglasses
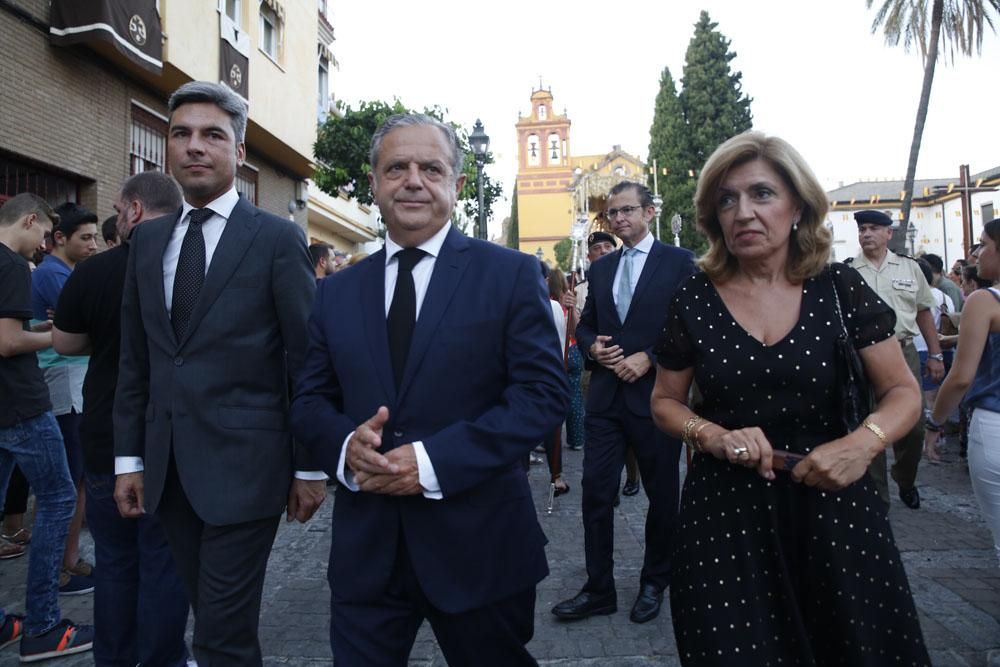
x: 612, y: 213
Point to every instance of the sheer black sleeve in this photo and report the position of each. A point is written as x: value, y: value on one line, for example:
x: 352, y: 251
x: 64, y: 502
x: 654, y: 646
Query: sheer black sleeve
x: 868, y: 318
x: 674, y: 350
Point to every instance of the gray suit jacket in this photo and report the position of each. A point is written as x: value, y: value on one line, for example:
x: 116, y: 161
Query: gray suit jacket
x: 218, y: 396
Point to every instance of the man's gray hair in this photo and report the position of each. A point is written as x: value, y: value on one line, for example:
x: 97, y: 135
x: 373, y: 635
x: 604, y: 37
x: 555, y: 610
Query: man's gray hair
x: 411, y: 120
x: 217, y: 94
x: 157, y: 191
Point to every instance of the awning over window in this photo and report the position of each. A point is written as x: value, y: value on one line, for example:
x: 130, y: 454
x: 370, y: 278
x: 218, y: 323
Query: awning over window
x: 132, y: 26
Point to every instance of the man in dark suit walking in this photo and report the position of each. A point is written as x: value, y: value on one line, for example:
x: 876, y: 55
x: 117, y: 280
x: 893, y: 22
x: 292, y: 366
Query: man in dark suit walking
x: 621, y: 321
x: 214, y: 318
x: 433, y: 369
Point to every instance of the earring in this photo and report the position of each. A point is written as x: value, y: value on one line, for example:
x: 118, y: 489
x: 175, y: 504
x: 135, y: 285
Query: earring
x: 795, y: 225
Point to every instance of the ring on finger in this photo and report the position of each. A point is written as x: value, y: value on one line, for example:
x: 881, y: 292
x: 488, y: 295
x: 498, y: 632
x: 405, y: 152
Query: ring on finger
x: 740, y: 452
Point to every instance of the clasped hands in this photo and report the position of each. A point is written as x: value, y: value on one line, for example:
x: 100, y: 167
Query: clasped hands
x: 829, y: 467
x: 393, y: 473
x: 628, y: 369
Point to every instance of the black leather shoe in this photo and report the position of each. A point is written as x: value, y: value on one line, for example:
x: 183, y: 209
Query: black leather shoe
x: 584, y: 605
x: 647, y: 605
x: 910, y: 497
x: 630, y: 488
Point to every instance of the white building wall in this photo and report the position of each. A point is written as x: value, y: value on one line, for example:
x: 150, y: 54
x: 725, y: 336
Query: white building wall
x: 939, y: 227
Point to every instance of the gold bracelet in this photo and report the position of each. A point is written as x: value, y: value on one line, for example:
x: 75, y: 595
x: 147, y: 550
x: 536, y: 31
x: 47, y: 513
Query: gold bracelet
x: 698, y: 446
x: 686, y: 431
x: 876, y: 429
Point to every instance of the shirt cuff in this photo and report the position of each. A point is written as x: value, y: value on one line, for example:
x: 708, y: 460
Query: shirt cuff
x: 345, y: 476
x: 425, y: 473
x: 311, y: 475
x: 127, y: 464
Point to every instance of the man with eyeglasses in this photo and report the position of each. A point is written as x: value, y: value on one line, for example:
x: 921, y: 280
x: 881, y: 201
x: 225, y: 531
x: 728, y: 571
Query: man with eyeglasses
x: 621, y: 321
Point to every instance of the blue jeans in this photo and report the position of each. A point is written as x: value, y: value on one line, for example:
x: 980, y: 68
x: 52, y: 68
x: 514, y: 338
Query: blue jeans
x: 140, y: 606
x: 36, y: 446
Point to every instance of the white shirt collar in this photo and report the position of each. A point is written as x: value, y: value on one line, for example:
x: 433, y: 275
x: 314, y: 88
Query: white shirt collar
x: 223, y: 206
x: 431, y: 246
x: 643, y: 246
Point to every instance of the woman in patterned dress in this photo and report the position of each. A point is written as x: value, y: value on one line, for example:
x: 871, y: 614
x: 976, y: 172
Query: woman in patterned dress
x: 780, y: 560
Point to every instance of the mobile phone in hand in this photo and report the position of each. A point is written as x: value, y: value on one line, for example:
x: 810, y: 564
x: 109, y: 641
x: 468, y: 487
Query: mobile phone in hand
x: 784, y: 460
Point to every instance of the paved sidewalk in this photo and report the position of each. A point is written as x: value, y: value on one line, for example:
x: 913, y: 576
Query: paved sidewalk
x: 945, y: 545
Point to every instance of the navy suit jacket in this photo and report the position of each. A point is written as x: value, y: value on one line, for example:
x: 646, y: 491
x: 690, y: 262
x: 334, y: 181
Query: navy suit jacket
x: 218, y: 397
x: 666, y: 267
x: 484, y: 384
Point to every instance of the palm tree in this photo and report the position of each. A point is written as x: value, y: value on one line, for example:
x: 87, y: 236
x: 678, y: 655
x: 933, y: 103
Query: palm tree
x: 960, y: 24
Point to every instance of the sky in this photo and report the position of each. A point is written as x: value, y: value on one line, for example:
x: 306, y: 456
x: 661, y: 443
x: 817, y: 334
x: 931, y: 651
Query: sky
x: 818, y: 76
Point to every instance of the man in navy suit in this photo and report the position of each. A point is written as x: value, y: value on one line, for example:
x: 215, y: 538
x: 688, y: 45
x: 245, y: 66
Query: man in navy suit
x: 621, y: 322
x: 423, y: 401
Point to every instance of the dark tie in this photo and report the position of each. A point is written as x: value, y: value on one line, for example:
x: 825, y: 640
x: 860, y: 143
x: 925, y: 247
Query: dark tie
x: 403, y: 311
x: 190, y: 271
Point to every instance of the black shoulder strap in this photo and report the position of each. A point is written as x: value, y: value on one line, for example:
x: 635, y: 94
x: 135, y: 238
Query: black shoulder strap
x: 836, y: 300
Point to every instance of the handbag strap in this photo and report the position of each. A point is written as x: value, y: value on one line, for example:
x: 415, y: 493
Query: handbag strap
x: 836, y: 304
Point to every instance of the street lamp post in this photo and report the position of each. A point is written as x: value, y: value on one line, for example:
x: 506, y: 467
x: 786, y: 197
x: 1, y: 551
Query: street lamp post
x: 658, y: 205
x: 480, y: 142
x: 675, y: 226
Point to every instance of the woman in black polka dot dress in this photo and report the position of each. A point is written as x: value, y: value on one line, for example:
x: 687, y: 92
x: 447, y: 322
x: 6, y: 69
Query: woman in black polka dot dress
x: 776, y: 566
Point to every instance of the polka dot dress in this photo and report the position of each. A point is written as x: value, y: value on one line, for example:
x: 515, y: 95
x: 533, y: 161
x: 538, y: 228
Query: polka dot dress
x: 778, y: 573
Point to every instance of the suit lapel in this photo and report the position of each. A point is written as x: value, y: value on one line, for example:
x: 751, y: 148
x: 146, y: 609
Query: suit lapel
x: 159, y: 239
x: 652, y: 264
x: 373, y: 316
x: 448, y: 270
x: 237, y: 235
x: 609, y: 295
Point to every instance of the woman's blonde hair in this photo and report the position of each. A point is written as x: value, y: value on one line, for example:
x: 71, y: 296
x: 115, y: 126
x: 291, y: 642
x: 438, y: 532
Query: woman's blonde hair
x: 809, y: 247
x: 557, y: 283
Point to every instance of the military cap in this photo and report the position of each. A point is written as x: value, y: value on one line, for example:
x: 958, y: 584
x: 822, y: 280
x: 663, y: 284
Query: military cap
x: 870, y: 217
x: 597, y: 237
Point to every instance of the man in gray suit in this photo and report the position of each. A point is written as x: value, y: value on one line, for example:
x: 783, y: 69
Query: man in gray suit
x: 214, y: 316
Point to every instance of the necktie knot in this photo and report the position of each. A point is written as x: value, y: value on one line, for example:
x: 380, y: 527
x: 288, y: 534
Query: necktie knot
x: 199, y: 216
x: 630, y: 252
x: 408, y: 258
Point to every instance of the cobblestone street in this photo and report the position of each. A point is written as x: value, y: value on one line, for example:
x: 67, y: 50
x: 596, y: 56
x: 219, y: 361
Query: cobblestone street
x: 945, y: 545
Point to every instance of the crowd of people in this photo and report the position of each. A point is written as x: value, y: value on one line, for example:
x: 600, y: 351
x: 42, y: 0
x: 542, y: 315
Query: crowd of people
x: 209, y: 372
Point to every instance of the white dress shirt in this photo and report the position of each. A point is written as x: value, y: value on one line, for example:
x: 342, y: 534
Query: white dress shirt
x: 638, y: 262
x: 421, y: 279
x: 212, y: 230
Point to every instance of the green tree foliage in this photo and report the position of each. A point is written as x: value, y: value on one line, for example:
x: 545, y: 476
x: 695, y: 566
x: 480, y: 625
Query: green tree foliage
x: 670, y: 145
x: 564, y: 254
x: 341, y: 149
x: 513, y: 233
x: 956, y: 25
x: 712, y: 97
x: 690, y: 124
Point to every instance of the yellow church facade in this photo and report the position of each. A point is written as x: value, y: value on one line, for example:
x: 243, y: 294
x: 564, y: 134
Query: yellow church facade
x: 557, y: 191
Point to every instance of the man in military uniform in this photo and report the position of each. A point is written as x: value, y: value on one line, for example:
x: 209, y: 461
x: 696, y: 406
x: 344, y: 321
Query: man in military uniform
x: 898, y: 280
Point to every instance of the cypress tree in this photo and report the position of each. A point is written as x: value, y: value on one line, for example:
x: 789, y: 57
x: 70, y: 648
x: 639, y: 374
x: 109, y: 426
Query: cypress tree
x: 688, y: 126
x: 713, y: 100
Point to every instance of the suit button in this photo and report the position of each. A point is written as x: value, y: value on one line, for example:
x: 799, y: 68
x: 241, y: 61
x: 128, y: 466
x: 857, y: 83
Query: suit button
x: 178, y: 361
x: 398, y: 434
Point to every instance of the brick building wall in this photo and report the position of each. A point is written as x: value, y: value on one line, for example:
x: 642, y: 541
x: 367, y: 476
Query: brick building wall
x: 71, y: 111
